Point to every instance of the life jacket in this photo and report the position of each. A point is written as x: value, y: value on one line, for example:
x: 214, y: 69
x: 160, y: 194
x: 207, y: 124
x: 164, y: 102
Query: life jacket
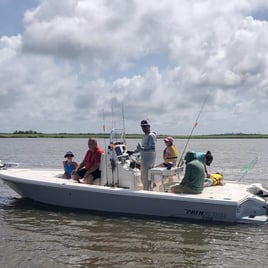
x: 216, y: 177
x: 174, y: 154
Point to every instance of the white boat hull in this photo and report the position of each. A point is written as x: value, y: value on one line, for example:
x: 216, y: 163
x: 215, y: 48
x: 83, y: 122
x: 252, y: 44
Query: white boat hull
x: 231, y: 203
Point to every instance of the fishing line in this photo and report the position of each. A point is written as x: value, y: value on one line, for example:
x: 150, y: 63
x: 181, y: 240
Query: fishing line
x: 194, y: 126
x: 248, y: 167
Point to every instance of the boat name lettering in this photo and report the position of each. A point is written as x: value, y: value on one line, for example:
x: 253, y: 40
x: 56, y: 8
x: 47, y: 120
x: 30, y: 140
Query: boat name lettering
x: 205, y: 214
x: 194, y: 212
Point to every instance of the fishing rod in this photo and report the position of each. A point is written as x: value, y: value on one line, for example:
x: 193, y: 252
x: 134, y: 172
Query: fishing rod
x: 123, y: 137
x: 124, y: 126
x: 104, y: 133
x: 189, y: 137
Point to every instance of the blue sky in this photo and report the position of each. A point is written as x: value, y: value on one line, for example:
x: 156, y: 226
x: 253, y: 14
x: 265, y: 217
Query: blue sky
x: 67, y: 64
x: 11, y: 15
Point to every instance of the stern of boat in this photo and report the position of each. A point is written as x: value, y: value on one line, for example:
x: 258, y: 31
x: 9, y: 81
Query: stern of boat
x: 253, y: 208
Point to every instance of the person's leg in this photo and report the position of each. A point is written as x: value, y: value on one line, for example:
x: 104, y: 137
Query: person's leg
x: 178, y: 188
x: 182, y: 189
x: 90, y: 177
x: 144, y: 177
x: 77, y: 175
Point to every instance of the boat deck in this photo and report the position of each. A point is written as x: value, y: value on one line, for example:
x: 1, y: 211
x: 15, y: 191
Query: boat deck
x: 231, y: 191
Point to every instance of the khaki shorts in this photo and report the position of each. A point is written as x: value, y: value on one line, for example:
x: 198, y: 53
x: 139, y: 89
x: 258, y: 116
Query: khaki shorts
x: 184, y: 189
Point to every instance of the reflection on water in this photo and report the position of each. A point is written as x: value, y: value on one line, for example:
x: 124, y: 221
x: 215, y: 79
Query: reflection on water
x: 34, y: 235
x: 69, y: 238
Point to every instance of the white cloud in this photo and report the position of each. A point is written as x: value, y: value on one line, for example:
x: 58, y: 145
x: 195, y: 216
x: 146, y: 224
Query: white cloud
x: 77, y: 60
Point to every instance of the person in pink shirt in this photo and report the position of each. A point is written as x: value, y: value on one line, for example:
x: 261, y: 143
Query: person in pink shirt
x: 89, y: 169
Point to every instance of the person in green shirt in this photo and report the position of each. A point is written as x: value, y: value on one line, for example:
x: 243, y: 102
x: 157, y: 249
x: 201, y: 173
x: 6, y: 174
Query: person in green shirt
x: 193, y: 180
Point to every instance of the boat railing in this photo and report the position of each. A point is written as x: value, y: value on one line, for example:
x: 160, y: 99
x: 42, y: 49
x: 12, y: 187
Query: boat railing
x: 117, y: 136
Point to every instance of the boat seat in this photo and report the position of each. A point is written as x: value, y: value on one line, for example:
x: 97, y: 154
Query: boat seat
x: 167, y: 176
x: 102, y: 169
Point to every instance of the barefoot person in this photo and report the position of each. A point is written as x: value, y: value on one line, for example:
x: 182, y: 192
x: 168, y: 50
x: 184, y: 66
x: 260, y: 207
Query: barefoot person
x: 69, y: 165
x: 89, y: 169
x: 170, y: 153
x: 194, y: 177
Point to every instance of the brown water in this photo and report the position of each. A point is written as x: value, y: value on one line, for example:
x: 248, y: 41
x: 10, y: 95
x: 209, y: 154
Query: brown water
x: 34, y: 235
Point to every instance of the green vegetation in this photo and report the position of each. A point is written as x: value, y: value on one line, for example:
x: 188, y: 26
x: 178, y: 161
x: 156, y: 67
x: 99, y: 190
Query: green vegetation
x: 35, y: 134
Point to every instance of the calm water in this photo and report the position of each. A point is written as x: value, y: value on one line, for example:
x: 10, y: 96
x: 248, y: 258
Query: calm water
x: 42, y: 236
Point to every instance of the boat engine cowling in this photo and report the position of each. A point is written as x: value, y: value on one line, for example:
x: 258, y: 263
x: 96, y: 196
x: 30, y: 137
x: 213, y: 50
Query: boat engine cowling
x: 258, y: 190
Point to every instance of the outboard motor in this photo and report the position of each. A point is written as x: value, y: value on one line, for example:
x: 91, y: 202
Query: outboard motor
x: 260, y: 191
x: 2, y: 165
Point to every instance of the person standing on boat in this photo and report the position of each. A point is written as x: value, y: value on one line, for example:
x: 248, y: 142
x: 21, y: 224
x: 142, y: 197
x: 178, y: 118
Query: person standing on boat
x: 170, y: 153
x: 194, y: 176
x: 89, y: 169
x: 69, y: 165
x: 206, y: 159
x: 147, y: 151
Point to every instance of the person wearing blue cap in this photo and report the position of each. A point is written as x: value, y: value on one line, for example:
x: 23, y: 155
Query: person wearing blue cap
x: 147, y: 151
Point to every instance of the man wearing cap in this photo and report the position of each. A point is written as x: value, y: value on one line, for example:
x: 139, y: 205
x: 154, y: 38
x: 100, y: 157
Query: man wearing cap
x: 147, y: 151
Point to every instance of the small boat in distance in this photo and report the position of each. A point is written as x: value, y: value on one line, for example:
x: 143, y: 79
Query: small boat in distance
x: 119, y: 190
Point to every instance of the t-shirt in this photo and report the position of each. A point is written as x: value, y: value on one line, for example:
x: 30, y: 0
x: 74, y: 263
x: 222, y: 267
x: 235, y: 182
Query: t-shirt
x: 93, y: 157
x: 68, y: 169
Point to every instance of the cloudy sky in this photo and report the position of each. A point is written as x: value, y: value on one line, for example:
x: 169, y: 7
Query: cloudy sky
x: 72, y: 65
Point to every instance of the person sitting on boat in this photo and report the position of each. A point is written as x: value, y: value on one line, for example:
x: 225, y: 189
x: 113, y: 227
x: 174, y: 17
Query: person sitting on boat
x: 88, y: 170
x: 193, y: 180
x: 69, y: 165
x: 214, y: 179
x: 170, y: 154
x: 147, y: 151
x: 206, y: 159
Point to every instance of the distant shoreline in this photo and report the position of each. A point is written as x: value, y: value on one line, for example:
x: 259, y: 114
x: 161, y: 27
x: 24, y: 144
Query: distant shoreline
x: 131, y: 136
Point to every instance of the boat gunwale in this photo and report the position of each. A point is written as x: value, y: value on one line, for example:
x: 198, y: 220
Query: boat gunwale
x: 70, y: 185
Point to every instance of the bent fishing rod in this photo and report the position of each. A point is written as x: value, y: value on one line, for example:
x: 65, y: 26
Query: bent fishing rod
x: 191, y: 133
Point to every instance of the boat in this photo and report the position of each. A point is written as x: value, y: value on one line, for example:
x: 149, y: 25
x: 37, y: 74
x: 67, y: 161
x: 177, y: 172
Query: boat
x: 119, y: 191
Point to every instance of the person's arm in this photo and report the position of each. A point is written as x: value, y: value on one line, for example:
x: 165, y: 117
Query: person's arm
x: 152, y: 141
x: 206, y: 171
x: 166, y: 153
x: 81, y: 165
